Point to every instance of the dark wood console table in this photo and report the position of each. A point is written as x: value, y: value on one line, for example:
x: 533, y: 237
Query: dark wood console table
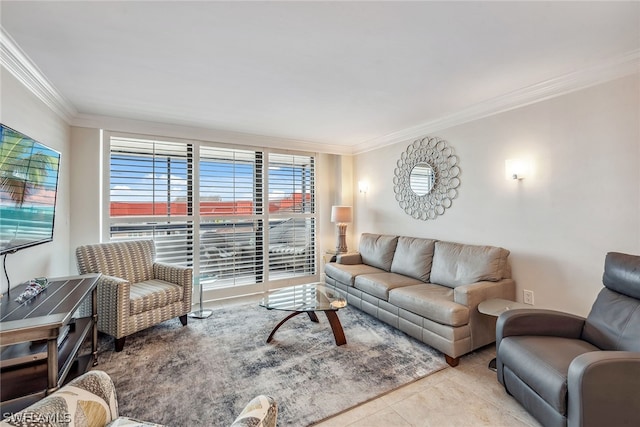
x: 41, y: 339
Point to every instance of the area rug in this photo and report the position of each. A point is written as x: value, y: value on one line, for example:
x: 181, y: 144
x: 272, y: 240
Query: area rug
x: 204, y: 374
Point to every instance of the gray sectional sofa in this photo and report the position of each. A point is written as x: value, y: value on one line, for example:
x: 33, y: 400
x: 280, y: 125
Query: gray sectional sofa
x: 429, y: 289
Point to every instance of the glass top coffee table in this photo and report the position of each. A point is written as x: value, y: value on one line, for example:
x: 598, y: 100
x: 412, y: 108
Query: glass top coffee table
x: 308, y: 299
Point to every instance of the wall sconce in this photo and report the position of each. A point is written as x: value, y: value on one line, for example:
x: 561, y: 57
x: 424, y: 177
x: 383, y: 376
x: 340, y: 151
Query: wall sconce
x: 341, y: 215
x: 516, y: 169
x: 363, y: 186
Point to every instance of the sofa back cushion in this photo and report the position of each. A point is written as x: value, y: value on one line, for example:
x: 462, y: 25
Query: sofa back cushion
x: 413, y: 257
x: 456, y: 264
x: 377, y: 250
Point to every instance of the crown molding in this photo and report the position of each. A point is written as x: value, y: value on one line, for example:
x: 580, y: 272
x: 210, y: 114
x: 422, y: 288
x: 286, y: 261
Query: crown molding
x: 14, y: 60
x: 616, y: 67
x: 187, y: 131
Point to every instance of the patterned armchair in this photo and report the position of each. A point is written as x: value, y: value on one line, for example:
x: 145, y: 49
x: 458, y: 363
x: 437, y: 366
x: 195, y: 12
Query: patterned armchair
x: 134, y: 292
x: 90, y: 401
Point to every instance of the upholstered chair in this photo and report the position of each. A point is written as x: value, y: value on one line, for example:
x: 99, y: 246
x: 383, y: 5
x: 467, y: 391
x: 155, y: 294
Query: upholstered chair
x: 567, y: 370
x: 91, y: 401
x: 134, y: 291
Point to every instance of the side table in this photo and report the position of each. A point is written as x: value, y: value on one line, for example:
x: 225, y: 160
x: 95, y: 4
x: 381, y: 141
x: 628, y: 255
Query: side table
x: 495, y: 307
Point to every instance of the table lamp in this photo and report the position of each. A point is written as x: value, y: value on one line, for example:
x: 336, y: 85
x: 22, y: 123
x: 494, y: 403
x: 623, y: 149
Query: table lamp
x: 341, y: 215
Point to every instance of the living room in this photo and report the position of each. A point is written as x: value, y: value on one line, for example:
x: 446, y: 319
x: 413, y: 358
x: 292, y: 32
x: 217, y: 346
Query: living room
x: 576, y: 123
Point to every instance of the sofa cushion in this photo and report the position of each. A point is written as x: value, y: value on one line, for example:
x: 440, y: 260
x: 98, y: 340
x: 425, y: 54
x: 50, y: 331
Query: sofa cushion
x: 152, y: 294
x: 431, y: 301
x: 380, y: 284
x: 377, y: 250
x: 455, y: 264
x: 413, y: 257
x: 346, y: 273
x: 543, y: 363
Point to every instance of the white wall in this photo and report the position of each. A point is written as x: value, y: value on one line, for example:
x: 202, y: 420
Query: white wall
x: 86, y: 187
x: 582, y: 200
x: 24, y: 112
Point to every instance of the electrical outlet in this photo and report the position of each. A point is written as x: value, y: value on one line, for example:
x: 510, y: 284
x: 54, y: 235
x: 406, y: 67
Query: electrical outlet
x: 527, y: 296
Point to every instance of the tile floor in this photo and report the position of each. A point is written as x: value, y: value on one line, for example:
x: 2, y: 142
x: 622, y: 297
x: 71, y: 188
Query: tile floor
x: 467, y: 395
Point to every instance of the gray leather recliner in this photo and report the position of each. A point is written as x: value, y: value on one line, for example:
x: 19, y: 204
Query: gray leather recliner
x: 567, y: 370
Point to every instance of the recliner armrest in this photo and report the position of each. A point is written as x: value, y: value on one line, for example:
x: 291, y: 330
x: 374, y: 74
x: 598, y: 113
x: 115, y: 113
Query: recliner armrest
x: 604, y: 389
x: 538, y: 322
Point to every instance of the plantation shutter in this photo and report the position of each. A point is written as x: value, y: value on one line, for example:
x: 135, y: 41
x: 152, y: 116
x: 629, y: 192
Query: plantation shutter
x: 151, y: 196
x: 230, y: 222
x: 239, y: 217
x: 291, y: 199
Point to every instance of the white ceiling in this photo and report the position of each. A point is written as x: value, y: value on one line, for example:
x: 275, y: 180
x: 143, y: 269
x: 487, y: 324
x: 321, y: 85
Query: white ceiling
x: 338, y: 73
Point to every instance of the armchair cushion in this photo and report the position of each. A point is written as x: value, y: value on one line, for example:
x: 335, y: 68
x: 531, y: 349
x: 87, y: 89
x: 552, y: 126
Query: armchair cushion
x: 542, y: 363
x: 153, y: 293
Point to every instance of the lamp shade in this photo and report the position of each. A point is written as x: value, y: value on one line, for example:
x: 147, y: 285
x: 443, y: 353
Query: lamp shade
x: 341, y: 214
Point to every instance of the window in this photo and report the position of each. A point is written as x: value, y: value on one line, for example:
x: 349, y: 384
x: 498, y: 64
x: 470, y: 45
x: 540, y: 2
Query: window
x: 237, y: 222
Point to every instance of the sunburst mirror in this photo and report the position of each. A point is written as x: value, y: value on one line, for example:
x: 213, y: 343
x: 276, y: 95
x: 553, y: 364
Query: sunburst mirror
x: 427, y: 178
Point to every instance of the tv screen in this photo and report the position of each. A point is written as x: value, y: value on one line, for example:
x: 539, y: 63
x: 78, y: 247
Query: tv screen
x: 28, y: 190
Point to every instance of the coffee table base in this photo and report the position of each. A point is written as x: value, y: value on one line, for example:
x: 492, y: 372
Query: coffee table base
x: 332, y: 317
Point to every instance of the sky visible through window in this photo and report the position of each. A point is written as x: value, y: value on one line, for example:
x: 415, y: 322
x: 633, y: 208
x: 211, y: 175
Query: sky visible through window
x: 134, y: 179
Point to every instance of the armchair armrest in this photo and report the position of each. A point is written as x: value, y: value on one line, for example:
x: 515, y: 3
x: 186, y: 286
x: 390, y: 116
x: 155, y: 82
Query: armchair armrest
x: 88, y: 400
x: 262, y: 411
x: 604, y: 389
x: 177, y: 274
x: 538, y: 322
x: 113, y: 297
x: 349, y: 259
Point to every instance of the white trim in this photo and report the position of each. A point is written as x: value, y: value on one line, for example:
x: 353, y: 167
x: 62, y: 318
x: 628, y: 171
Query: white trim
x: 18, y: 63
x: 14, y: 60
x: 120, y: 125
x: 616, y: 67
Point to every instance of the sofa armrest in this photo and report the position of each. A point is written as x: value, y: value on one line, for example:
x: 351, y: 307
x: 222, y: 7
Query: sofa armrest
x: 604, y: 389
x: 63, y: 408
x: 482, y: 327
x: 474, y: 293
x: 262, y: 411
x: 349, y: 259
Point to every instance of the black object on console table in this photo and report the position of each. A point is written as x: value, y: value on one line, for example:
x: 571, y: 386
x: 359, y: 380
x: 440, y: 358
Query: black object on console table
x: 41, y: 339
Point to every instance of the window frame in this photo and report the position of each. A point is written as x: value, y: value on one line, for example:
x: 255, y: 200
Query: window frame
x: 194, y: 216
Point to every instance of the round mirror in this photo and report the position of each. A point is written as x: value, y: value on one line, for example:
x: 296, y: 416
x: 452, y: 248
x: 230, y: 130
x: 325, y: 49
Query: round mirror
x: 422, y: 179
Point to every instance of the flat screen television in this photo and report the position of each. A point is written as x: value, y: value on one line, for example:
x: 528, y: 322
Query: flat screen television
x: 28, y: 191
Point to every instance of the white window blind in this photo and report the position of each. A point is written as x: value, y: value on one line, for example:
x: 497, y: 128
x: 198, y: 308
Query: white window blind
x: 291, y: 200
x: 238, y: 216
x: 230, y: 216
x: 151, y: 197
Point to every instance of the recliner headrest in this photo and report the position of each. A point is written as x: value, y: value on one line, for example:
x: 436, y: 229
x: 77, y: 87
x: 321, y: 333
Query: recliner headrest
x: 622, y: 274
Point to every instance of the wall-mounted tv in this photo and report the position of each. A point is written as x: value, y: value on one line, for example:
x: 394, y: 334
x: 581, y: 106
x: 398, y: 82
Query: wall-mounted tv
x: 28, y: 190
